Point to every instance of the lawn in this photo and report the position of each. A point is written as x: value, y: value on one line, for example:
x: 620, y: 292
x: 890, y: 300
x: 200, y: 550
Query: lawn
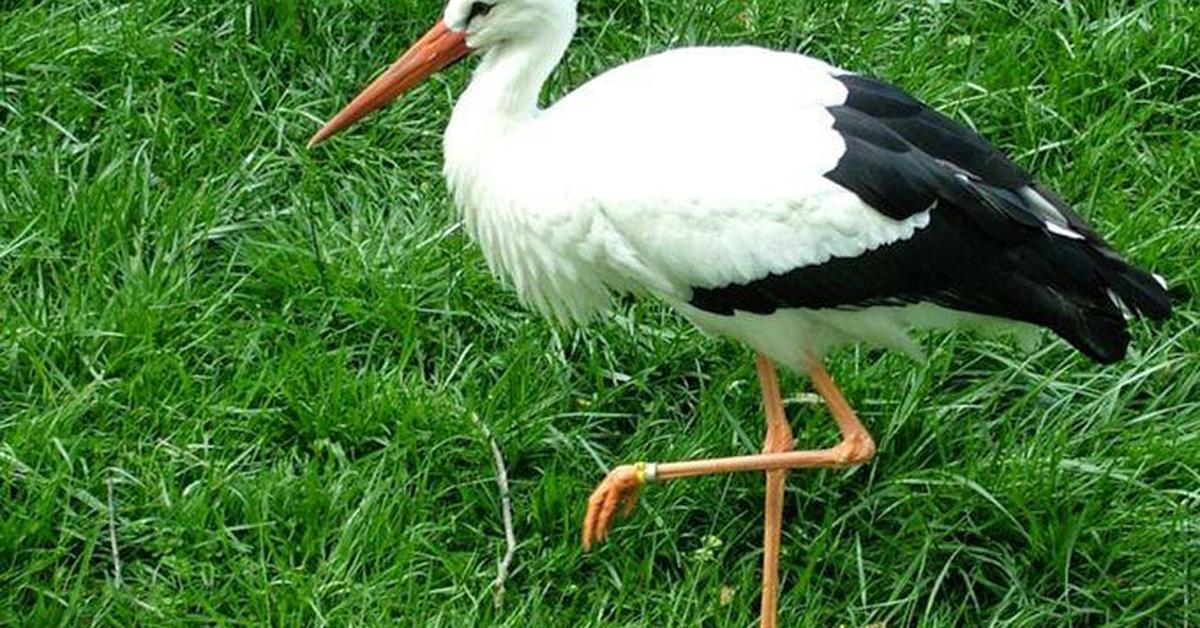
x: 237, y: 379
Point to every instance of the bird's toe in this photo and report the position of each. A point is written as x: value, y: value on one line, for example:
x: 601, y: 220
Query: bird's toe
x: 616, y: 493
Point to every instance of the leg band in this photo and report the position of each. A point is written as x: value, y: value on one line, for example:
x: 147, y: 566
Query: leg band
x: 647, y: 472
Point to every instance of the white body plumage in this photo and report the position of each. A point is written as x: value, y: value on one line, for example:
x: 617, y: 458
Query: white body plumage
x: 628, y: 184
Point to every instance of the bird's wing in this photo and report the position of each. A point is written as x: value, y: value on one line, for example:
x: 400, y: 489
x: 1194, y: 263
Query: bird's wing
x: 842, y: 192
x: 994, y: 243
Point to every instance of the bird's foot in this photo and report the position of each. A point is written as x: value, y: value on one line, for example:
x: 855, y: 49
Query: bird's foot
x: 618, y: 491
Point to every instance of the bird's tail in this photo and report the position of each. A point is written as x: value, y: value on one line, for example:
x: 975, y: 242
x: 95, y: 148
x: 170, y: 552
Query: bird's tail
x: 1084, y: 290
x: 1097, y: 324
x: 1097, y: 293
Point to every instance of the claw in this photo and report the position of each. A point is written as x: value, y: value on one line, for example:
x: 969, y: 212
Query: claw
x: 618, y: 491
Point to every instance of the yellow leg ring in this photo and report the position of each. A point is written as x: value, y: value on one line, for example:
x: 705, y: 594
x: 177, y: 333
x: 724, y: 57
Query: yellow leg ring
x: 646, y: 472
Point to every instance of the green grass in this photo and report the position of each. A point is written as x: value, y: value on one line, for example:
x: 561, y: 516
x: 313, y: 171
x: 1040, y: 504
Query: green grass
x: 272, y: 357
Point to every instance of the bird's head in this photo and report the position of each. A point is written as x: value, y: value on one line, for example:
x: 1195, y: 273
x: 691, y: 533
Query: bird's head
x: 491, y: 23
x: 467, y: 26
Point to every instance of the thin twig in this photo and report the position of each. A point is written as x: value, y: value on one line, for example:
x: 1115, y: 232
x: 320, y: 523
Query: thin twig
x: 510, y: 537
x: 112, y: 535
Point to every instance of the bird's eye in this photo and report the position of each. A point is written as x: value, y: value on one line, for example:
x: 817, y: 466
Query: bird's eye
x: 479, y: 9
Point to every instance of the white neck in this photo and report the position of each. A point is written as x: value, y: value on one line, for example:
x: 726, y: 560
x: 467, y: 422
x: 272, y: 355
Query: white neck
x: 501, y: 99
x: 502, y: 96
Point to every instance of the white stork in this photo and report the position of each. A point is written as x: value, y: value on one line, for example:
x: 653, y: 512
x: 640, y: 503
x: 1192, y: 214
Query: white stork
x: 766, y: 196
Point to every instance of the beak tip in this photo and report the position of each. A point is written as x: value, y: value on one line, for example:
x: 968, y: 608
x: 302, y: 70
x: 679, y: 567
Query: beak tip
x: 317, y: 138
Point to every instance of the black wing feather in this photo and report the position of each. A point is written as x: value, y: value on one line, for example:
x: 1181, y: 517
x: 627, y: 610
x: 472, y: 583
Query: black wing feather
x: 932, y: 132
x: 987, y: 248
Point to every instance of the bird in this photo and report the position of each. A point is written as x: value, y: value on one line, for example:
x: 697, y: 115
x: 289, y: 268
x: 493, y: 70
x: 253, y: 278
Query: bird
x: 766, y: 196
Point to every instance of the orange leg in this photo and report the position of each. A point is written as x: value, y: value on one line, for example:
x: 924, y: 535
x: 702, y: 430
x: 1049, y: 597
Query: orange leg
x: 779, y: 440
x: 619, y: 490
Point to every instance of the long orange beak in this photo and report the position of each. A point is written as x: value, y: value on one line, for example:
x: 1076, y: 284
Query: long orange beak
x: 439, y: 48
